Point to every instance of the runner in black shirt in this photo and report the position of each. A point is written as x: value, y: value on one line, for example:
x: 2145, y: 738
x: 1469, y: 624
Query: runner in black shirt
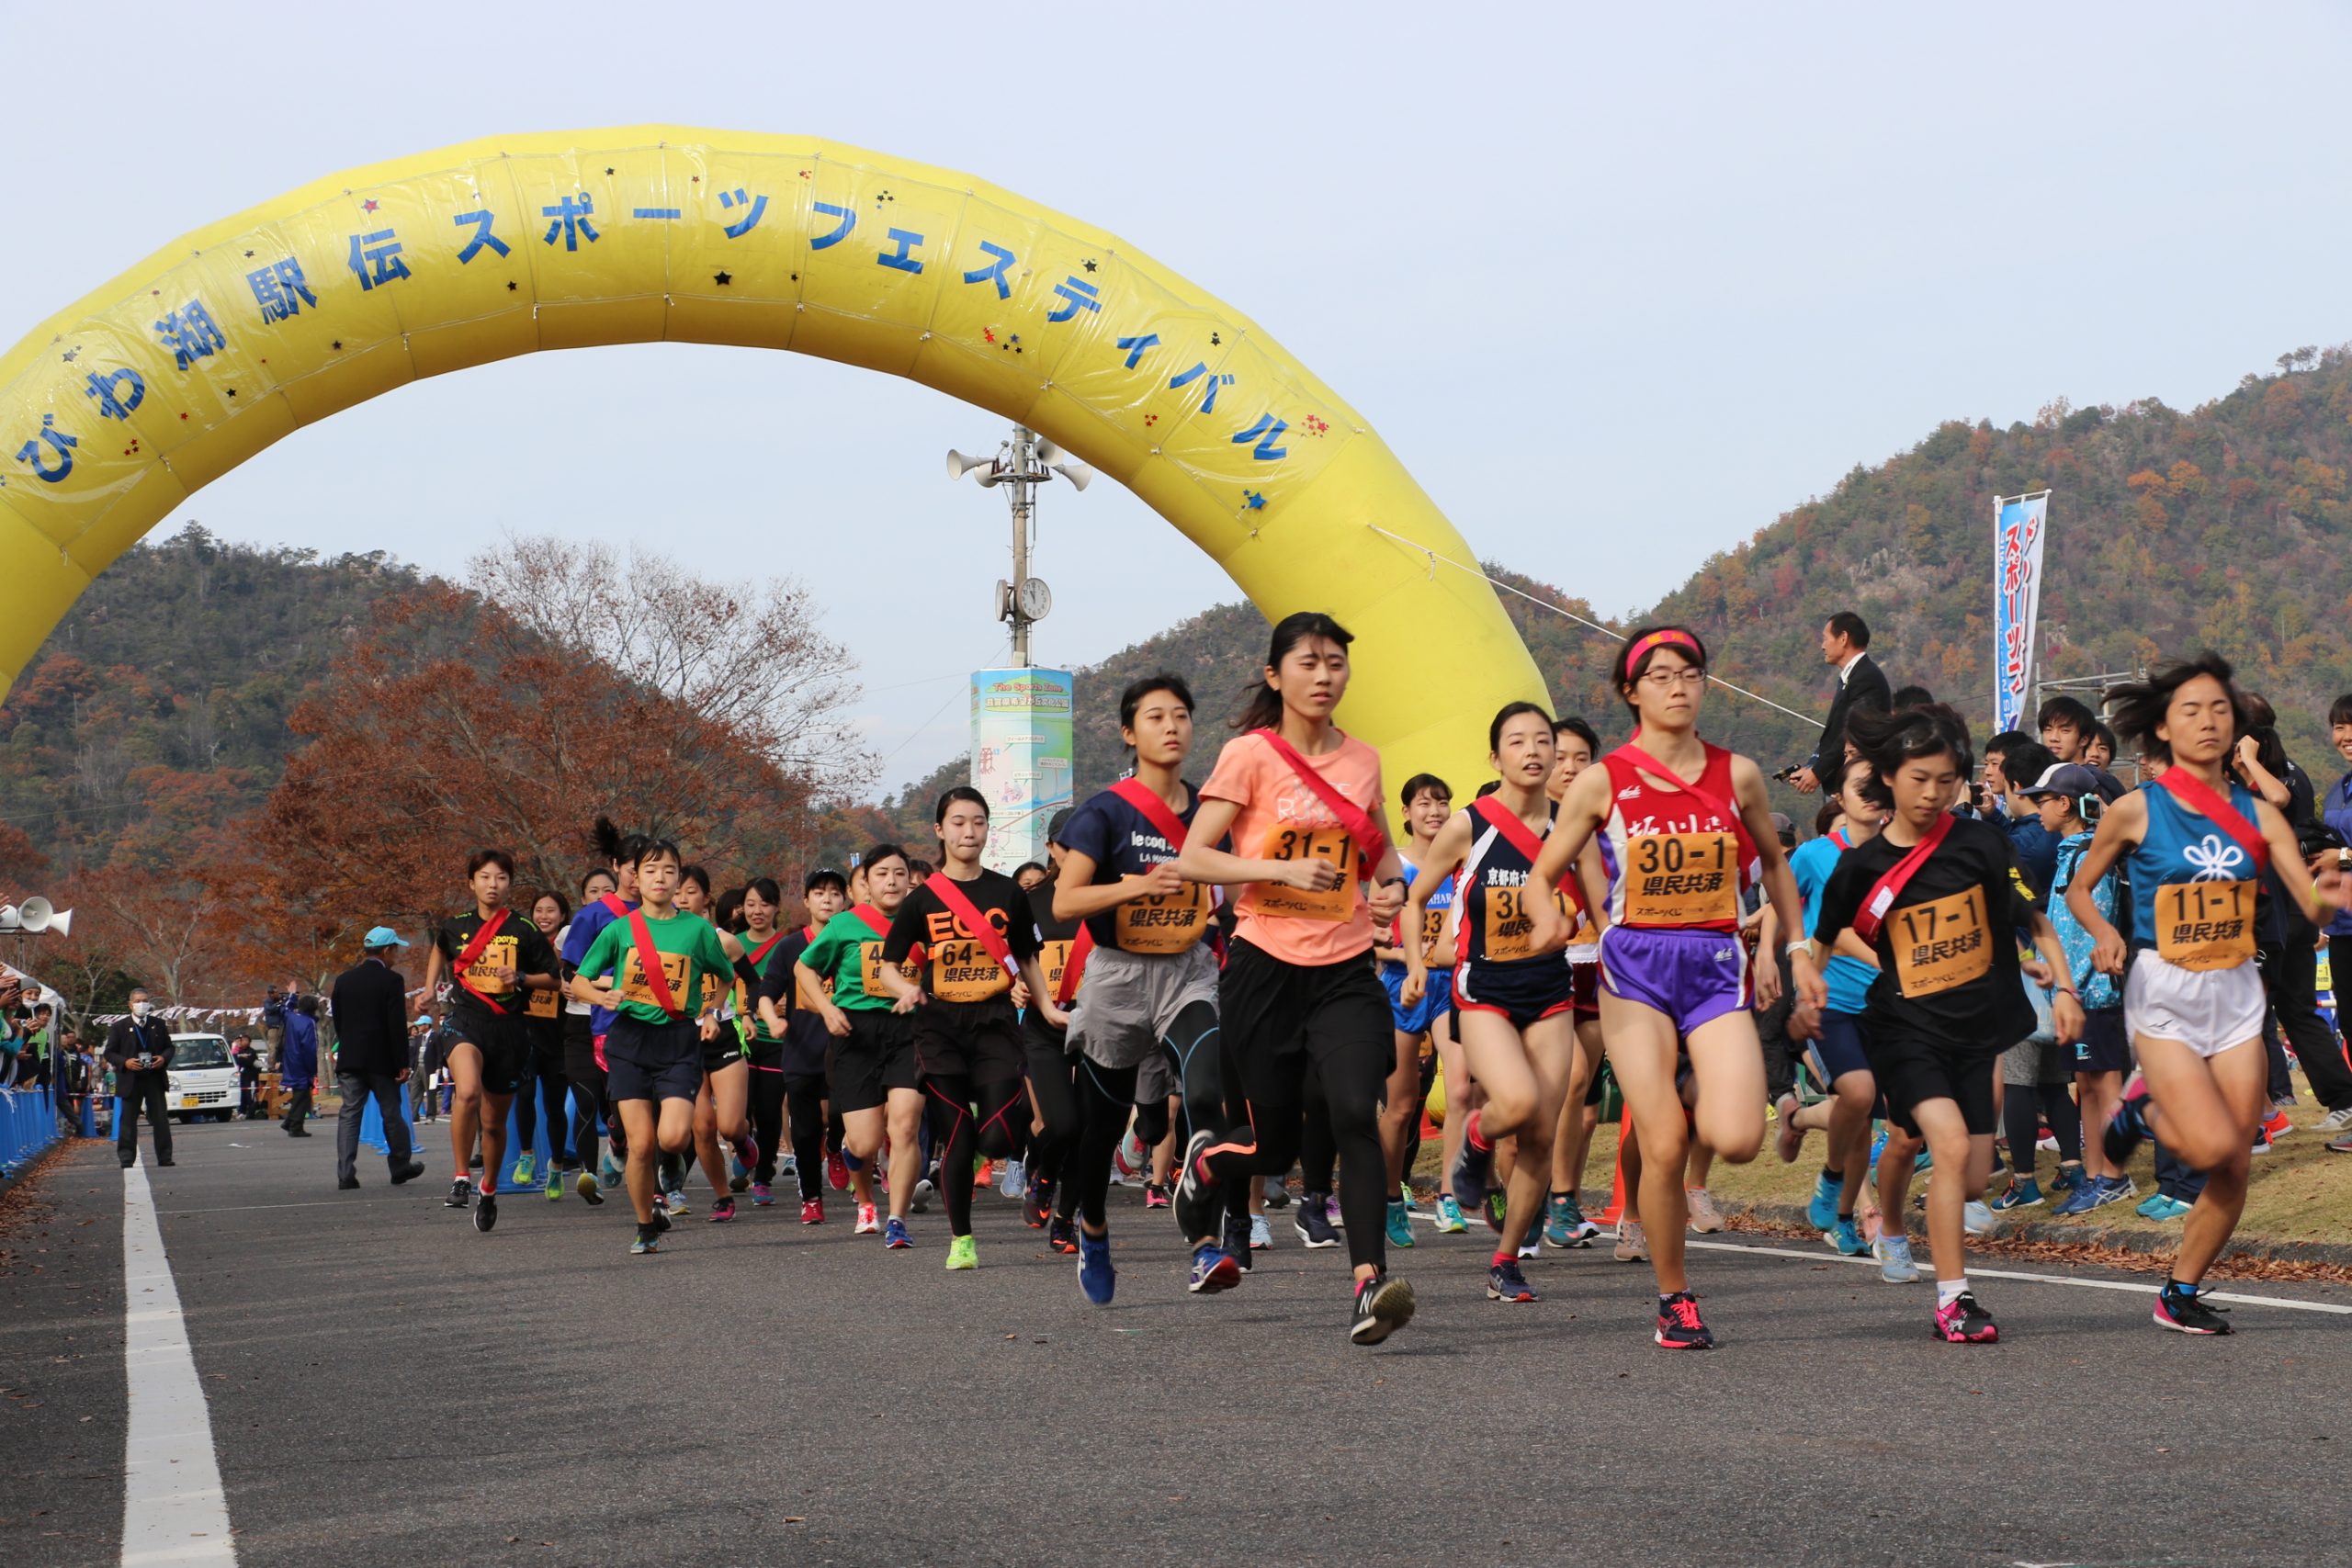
x: 1933, y: 896
x: 789, y: 1085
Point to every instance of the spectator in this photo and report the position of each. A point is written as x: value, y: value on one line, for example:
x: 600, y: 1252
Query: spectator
x: 2071, y: 733
x: 241, y: 1051
x: 298, y: 1069
x: 32, y: 1069
x: 2012, y: 760
x: 370, y: 1011
x: 1861, y: 688
x: 423, y: 1089
x: 139, y: 1049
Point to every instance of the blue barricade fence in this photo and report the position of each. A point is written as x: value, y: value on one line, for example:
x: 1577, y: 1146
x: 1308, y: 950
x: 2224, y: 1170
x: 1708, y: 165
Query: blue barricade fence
x: 371, y: 1132
x: 28, y: 1126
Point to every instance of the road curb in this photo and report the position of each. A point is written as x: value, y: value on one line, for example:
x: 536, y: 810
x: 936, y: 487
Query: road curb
x: 2139, y: 1241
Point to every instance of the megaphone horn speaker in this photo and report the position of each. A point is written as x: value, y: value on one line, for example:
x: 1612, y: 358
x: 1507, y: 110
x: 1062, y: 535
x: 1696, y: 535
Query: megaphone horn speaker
x: 33, y: 914
x: 1079, y: 475
x: 1049, y: 454
x: 62, y: 922
x: 959, y: 465
x: 8, y: 917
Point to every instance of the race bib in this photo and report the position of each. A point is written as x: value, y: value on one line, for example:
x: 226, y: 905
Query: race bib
x: 869, y: 970
x: 1162, y: 922
x: 1504, y: 933
x: 1306, y: 843
x: 1053, y: 957
x: 1682, y: 879
x: 1940, y: 945
x: 2205, y: 925
x: 675, y: 968
x: 543, y: 1004
x: 1432, y: 930
x: 482, y: 973
x: 964, y: 970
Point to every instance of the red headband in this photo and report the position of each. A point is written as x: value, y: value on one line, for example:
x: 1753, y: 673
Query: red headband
x: 1670, y: 637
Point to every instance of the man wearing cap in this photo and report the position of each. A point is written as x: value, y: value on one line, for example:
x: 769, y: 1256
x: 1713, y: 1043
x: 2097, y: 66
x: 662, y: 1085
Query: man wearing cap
x: 370, y: 1006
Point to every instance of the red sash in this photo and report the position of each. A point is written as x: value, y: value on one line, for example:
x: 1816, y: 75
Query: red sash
x: 1883, y: 892
x: 1727, y: 810
x: 1164, y: 822
x: 613, y: 904
x: 872, y: 918
x: 473, y: 951
x: 1522, y: 839
x: 1371, y: 843
x: 1075, y: 965
x: 984, y: 933
x: 764, y: 948
x: 648, y: 961
x: 2199, y: 796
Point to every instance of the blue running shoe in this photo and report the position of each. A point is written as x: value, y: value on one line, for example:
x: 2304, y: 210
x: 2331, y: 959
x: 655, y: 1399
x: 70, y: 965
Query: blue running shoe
x: 2114, y: 1190
x: 1400, y: 1224
x: 2082, y: 1201
x: 2126, y: 1132
x: 1448, y: 1217
x: 1214, y: 1269
x: 894, y: 1234
x: 1894, y: 1265
x: 2072, y: 1177
x: 1095, y: 1275
x: 1821, y: 1211
x: 1506, y: 1283
x: 2160, y: 1206
x: 2025, y: 1193
x: 1471, y: 1168
x: 1847, y: 1238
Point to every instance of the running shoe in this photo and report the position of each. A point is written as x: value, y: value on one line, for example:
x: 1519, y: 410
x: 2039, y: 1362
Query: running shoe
x: 1214, y: 1269
x: 2337, y: 1121
x: 1155, y: 1196
x: 1963, y: 1321
x: 675, y: 1202
x: 648, y: 1240
x: 789, y: 1165
x: 2114, y: 1190
x: 1062, y: 1237
x: 963, y: 1253
x: 1821, y: 1209
x: 1195, y: 1199
x: 1448, y: 1217
x: 723, y: 1211
x: 1977, y: 1219
x: 461, y: 1194
x: 2125, y: 1132
x: 921, y: 1201
x: 1277, y: 1192
x: 1131, y: 1157
x: 1473, y: 1168
x: 2072, y: 1177
x: 2279, y: 1126
x: 2184, y: 1312
x: 1893, y: 1255
x: 741, y: 1181
x: 894, y: 1234
x: 1332, y: 1212
x: 1632, y: 1245
x: 2340, y: 1145
x: 1705, y: 1218
x: 867, y: 1223
x: 762, y: 1194
x: 1240, y: 1235
x: 1382, y: 1305
x: 1014, y: 1181
x: 1679, y: 1328
x: 1564, y: 1224
x: 526, y: 1169
x: 555, y: 1185
x: 1095, y: 1275
x: 812, y: 1210
x: 589, y: 1187
x: 1261, y: 1234
x: 1313, y: 1222
x: 2161, y: 1207
x: 473, y: 1160
x: 1400, y: 1224
x: 609, y: 1172
x: 1847, y: 1238
x: 2024, y: 1193
x: 1506, y: 1283
x: 2081, y: 1200
x: 836, y: 1172
x: 1529, y: 1248
x: 1496, y: 1208
x: 660, y: 1221
x: 1037, y: 1203
x: 486, y: 1212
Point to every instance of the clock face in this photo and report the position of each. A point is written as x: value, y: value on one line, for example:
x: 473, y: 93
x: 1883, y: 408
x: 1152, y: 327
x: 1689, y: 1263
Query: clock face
x: 1036, y: 599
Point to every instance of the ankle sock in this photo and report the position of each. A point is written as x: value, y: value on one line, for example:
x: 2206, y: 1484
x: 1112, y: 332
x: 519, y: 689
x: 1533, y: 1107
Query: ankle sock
x: 1950, y: 1290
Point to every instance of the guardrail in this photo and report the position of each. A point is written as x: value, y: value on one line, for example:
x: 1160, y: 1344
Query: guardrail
x: 28, y: 1126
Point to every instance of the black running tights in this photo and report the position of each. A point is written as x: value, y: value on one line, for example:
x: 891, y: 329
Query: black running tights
x: 991, y: 1121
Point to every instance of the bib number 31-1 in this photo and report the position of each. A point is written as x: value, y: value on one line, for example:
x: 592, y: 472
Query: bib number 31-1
x: 1307, y: 843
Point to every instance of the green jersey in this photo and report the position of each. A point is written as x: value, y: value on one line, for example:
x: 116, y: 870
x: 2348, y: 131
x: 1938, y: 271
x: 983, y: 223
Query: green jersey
x: 848, y: 952
x: 692, y: 957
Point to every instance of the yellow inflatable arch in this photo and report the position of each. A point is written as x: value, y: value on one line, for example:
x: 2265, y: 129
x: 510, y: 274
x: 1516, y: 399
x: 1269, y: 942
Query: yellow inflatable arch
x: 118, y: 408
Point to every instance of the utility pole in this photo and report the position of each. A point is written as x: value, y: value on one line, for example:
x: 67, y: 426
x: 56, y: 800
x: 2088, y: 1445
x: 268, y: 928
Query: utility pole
x: 1021, y: 464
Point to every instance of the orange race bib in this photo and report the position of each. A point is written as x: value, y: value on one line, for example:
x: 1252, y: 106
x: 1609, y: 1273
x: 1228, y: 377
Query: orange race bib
x: 1432, y: 930
x: 2205, y: 925
x: 1682, y: 879
x: 1162, y: 922
x: 1506, y: 931
x: 1306, y: 843
x: 1940, y: 945
x: 675, y: 967
x: 964, y: 970
x: 1053, y: 957
x: 543, y: 1004
x: 482, y: 973
x: 869, y: 970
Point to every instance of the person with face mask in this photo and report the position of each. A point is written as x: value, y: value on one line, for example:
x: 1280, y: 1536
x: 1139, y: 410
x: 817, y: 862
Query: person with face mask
x: 139, y: 1049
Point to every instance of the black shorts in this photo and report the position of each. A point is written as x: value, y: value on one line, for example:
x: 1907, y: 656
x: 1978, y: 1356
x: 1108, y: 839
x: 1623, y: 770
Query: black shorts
x: 723, y: 1052
x: 878, y: 1056
x: 1521, y: 993
x: 652, y: 1061
x: 2105, y: 1046
x: 1048, y: 1050
x: 545, y: 1037
x: 1586, y: 979
x: 1912, y: 1070
x: 499, y: 1037
x: 1279, y: 1016
x: 978, y: 1041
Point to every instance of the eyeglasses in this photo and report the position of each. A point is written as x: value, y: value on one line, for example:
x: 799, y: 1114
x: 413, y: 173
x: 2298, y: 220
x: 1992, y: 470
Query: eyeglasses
x: 1664, y: 680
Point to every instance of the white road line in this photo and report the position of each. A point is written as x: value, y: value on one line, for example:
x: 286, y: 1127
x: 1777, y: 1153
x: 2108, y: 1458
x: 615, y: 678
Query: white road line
x: 2140, y: 1286
x: 174, y: 1510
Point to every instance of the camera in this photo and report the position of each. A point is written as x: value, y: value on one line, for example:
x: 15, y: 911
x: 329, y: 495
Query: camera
x: 1789, y: 772
x: 2090, y: 809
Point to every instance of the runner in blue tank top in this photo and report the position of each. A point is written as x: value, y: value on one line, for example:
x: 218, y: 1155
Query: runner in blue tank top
x: 2196, y: 842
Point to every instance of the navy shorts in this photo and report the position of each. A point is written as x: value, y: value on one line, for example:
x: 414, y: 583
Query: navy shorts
x: 1837, y: 1049
x: 1523, y: 992
x: 2106, y: 1046
x: 652, y: 1061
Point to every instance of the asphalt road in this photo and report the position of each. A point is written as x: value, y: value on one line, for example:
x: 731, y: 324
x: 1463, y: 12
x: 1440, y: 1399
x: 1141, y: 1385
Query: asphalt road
x: 388, y: 1387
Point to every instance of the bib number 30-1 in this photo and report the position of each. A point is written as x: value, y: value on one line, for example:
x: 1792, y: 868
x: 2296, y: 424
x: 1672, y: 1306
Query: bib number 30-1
x: 1942, y: 944
x: 1682, y: 879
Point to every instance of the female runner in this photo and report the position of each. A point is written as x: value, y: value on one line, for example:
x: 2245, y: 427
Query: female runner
x: 1048, y: 1202
x: 1686, y: 827
x: 722, y: 1106
x: 583, y: 1062
x: 795, y: 1020
x: 2195, y: 845
x: 1576, y: 745
x: 1425, y: 1021
x: 876, y: 1088
x: 1297, y: 796
x: 762, y: 901
x: 543, y: 1028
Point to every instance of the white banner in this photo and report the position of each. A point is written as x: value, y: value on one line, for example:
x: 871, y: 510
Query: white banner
x: 2018, y: 526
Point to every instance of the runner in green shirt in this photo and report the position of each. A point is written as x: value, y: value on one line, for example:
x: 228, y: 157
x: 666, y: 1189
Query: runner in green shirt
x: 871, y: 1066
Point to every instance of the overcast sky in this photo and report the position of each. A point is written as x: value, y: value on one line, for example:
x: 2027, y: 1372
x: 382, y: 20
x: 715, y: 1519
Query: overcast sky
x: 1619, y: 290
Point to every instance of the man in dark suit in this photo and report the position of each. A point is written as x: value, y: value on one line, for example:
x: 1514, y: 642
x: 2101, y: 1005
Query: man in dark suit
x: 139, y: 1049
x: 1861, y: 688
x: 370, y: 1006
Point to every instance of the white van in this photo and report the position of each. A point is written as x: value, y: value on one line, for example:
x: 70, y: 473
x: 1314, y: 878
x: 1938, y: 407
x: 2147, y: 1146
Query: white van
x: 204, y: 1078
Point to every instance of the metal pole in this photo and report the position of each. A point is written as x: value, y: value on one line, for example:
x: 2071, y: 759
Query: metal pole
x: 1023, y: 465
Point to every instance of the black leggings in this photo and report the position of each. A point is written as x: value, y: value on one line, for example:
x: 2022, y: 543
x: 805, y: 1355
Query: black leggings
x: 804, y: 1100
x: 586, y: 1080
x: 767, y: 1119
x: 1053, y: 1083
x: 555, y: 1090
x: 2023, y: 1109
x: 963, y: 1120
x: 1106, y: 1096
x: 1319, y: 1152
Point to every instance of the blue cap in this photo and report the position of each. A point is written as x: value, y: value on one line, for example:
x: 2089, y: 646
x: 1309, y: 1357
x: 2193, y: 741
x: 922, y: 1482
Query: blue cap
x: 2072, y: 780
x: 382, y: 936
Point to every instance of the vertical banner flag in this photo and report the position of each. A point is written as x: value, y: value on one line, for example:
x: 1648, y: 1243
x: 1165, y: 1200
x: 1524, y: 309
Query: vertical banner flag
x: 1020, y: 758
x: 2019, y: 523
